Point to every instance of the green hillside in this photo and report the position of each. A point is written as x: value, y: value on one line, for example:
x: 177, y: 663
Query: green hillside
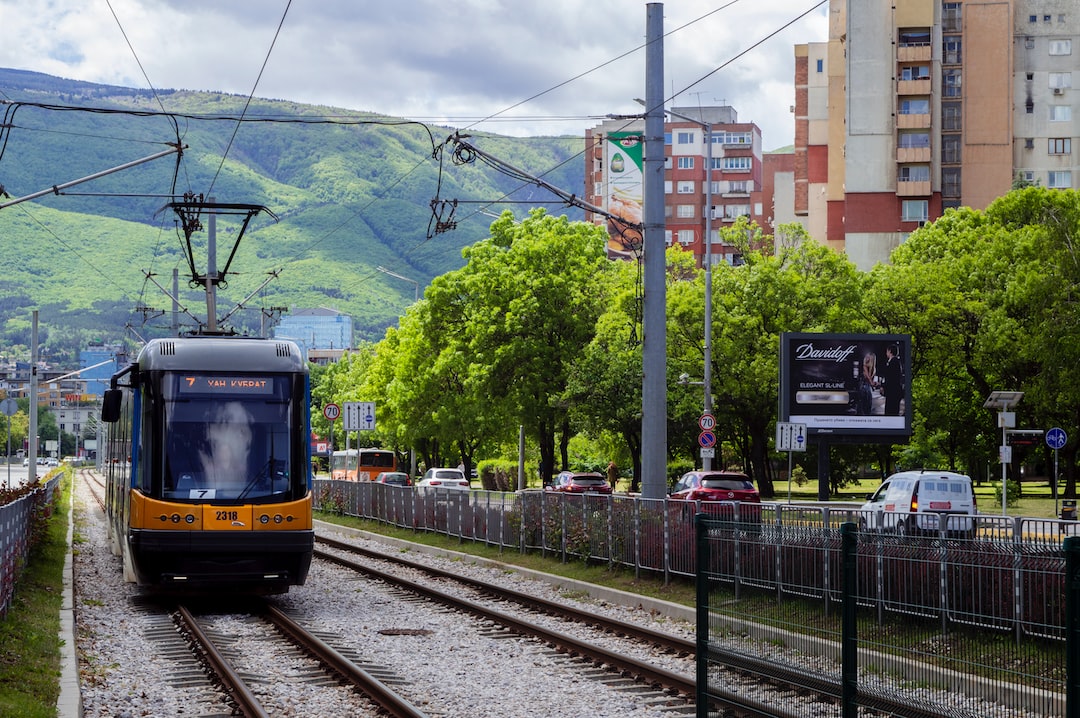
x: 348, y: 198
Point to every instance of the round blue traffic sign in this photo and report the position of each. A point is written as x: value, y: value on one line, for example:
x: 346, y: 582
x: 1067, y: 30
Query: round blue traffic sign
x: 1056, y: 438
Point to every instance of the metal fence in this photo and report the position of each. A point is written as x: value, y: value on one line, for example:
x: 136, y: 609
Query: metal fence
x: 16, y: 528
x: 985, y: 608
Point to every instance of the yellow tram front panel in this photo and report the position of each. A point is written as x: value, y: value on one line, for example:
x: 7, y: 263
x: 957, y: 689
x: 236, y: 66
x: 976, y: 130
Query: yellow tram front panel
x: 147, y: 513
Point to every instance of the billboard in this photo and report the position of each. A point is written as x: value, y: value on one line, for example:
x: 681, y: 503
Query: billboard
x: 846, y: 384
x: 623, y: 160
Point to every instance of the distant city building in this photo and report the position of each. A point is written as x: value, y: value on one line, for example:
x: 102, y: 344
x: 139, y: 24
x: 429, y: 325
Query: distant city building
x: 613, y: 179
x: 316, y: 329
x: 917, y: 106
x: 98, y: 364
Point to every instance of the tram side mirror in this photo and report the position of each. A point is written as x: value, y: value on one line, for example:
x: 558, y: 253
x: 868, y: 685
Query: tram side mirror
x: 110, y: 405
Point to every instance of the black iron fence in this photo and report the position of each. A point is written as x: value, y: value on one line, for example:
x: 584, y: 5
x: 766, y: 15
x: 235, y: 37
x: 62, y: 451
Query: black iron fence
x: 974, y: 614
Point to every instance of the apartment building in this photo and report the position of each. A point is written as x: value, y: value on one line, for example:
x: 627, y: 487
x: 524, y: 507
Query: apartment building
x: 733, y: 184
x: 916, y: 106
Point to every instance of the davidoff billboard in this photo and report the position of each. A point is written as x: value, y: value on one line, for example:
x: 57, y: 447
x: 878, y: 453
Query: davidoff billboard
x: 846, y: 384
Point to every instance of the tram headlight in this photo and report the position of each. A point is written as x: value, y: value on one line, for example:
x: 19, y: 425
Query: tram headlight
x: 264, y: 519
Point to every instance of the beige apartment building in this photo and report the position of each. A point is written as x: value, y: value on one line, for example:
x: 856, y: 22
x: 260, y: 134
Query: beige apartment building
x: 916, y: 106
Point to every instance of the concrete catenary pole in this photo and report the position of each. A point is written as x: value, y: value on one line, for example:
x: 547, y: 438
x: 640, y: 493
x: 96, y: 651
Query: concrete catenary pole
x: 654, y: 321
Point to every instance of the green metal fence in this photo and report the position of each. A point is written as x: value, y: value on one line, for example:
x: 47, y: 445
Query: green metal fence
x: 933, y: 656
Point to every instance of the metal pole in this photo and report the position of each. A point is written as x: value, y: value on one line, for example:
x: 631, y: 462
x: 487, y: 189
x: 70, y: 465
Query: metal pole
x: 211, y: 272
x: 1004, y: 465
x: 654, y: 329
x: 706, y: 461
x: 31, y: 465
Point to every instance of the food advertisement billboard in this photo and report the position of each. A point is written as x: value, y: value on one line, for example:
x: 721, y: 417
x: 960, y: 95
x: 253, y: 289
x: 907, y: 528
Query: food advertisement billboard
x: 623, y: 158
x: 846, y: 384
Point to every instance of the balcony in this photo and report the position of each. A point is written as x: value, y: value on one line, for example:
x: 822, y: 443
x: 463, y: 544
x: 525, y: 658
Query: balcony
x: 913, y: 53
x: 910, y: 155
x: 912, y: 121
x: 913, y: 87
x: 913, y: 189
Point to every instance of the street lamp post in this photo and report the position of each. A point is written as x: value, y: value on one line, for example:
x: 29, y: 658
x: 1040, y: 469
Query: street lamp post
x: 706, y: 462
x: 1004, y: 402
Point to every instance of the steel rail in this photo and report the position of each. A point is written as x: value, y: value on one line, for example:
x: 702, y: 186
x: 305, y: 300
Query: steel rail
x: 234, y: 685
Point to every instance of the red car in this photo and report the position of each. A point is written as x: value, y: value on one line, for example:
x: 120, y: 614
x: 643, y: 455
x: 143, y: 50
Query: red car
x: 715, y: 486
x: 580, y: 483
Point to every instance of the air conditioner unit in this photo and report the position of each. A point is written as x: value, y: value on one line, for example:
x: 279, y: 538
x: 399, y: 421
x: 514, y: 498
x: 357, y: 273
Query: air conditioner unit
x: 1059, y: 91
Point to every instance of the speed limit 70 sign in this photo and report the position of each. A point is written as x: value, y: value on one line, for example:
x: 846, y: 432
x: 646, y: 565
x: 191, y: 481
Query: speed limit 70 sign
x: 331, y: 412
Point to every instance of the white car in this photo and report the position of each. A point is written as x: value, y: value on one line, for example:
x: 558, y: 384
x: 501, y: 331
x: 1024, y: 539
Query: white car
x: 914, y: 502
x: 444, y: 478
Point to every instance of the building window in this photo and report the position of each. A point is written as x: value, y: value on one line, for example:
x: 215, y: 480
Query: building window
x: 739, y: 186
x: 951, y: 150
x: 914, y: 173
x: 1033, y: 18
x: 1029, y: 143
x: 686, y: 163
x: 910, y: 106
x: 953, y: 54
x: 1061, y: 47
x: 684, y: 138
x: 1059, y: 146
x: 685, y: 211
x: 667, y: 237
x: 1060, y: 113
x: 733, y: 138
x: 1060, y: 80
x: 1059, y: 180
x: 667, y: 163
x: 950, y: 16
x: 951, y: 81
x: 737, y: 163
x: 686, y: 236
x: 916, y: 140
x: 685, y: 187
x: 950, y: 182
x: 1046, y: 18
x: 1027, y: 176
x: 1029, y: 43
x: 919, y: 37
x: 734, y: 211
x: 669, y: 187
x: 950, y: 116
x: 820, y: 65
x: 667, y: 211
x: 915, y: 72
x: 717, y: 163
x: 915, y: 210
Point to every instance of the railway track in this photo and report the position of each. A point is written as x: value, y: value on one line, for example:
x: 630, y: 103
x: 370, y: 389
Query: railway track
x: 744, y: 676
x: 321, y: 667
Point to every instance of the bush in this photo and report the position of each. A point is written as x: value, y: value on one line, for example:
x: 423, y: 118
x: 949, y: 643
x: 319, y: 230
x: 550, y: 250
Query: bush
x: 1013, y: 499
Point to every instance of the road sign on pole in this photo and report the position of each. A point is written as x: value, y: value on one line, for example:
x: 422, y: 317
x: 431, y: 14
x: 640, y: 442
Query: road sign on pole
x: 331, y: 412
x: 790, y: 437
x: 1056, y: 438
x: 359, y: 416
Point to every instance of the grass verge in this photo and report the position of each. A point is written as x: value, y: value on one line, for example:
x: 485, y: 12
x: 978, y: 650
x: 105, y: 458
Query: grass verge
x: 29, y: 634
x: 678, y: 590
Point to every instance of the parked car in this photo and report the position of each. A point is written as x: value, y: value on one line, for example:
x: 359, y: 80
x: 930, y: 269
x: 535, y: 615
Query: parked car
x: 52, y: 461
x: 444, y: 478
x: 913, y: 502
x: 397, y: 478
x: 715, y: 486
x: 26, y: 461
x: 580, y: 482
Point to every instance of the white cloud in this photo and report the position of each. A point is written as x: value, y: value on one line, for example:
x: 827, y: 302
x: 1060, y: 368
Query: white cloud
x: 428, y: 59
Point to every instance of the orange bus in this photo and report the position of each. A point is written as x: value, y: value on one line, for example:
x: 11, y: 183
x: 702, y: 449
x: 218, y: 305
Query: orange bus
x: 361, y: 464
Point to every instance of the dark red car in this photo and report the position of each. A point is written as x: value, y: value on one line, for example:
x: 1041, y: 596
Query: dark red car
x: 715, y: 486
x: 576, y: 482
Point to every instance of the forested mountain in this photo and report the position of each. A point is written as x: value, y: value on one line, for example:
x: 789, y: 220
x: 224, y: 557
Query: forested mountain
x: 350, y: 191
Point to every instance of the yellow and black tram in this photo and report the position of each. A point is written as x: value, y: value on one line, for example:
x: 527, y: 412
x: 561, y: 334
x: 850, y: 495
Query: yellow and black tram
x: 209, y: 466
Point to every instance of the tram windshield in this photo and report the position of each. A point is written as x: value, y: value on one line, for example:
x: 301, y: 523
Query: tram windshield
x: 226, y: 437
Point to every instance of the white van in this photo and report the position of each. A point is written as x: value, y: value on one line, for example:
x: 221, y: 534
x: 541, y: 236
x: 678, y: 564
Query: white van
x: 914, y: 502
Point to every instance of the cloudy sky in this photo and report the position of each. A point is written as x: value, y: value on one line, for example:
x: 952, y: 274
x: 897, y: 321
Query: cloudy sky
x: 515, y: 67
